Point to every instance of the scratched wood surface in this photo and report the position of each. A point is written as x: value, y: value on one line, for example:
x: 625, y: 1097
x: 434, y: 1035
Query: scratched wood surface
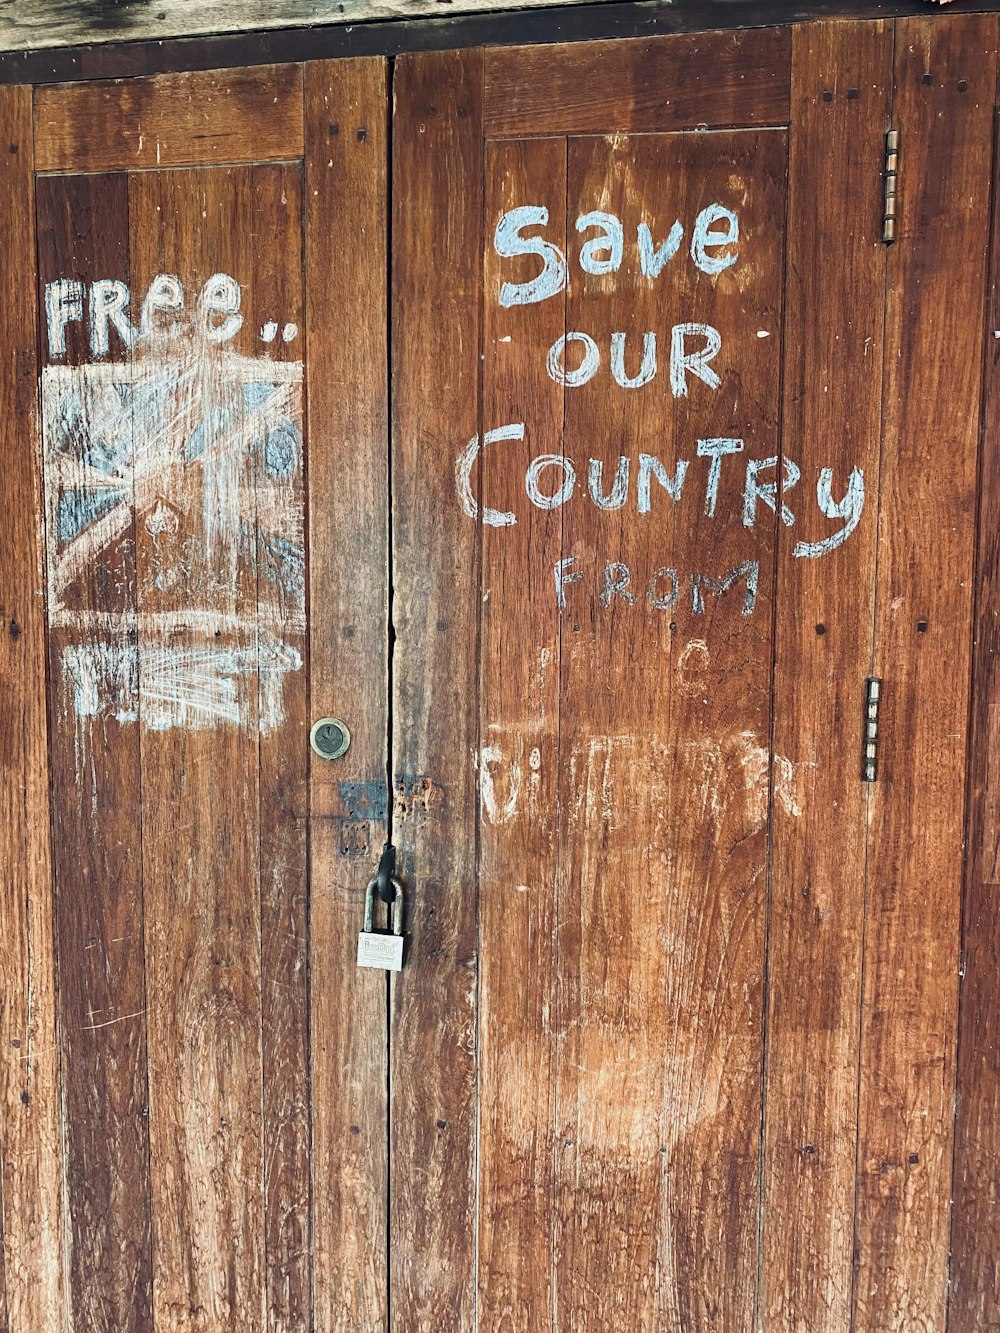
x: 975, y: 1292
x: 841, y: 86
x: 945, y: 81
x: 519, y: 763
x: 83, y: 235
x: 346, y: 195
x: 200, y: 782
x: 709, y: 80
x: 31, y: 1195
x: 172, y: 120
x: 179, y: 649
x: 276, y: 287
x: 437, y: 156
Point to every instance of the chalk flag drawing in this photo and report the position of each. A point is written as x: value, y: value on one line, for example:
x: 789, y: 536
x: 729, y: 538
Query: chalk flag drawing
x: 191, y: 453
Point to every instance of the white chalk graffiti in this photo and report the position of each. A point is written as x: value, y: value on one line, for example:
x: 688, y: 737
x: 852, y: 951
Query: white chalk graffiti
x: 175, y: 545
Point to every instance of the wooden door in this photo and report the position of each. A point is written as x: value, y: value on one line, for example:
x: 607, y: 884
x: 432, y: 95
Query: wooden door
x: 682, y: 457
x: 194, y: 1122
x: 698, y: 451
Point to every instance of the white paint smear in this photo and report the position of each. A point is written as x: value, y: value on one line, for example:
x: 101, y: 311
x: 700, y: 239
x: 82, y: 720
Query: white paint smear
x: 177, y: 474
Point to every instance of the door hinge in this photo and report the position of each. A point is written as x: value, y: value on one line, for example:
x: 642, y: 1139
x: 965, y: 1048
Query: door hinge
x: 869, y: 761
x: 889, y: 187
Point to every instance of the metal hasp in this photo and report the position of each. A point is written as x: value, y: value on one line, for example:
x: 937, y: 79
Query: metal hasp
x: 330, y: 738
x: 383, y: 949
x: 889, y: 187
x: 869, y: 762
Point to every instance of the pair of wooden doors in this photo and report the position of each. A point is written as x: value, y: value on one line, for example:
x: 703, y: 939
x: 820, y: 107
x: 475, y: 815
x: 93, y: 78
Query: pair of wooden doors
x: 587, y: 465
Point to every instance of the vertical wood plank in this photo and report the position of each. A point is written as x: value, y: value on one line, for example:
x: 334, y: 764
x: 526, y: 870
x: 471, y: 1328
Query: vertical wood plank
x: 202, y: 668
x: 714, y: 872
x: 665, y: 720
x: 975, y: 1280
x: 945, y: 73
x: 89, y: 459
x: 31, y: 1255
x: 518, y: 766
x: 346, y: 292
x: 437, y: 231
x: 276, y: 298
x: 841, y: 86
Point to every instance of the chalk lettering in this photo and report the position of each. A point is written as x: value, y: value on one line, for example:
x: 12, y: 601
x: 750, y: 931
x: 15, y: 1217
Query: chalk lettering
x: 63, y: 302
x: 768, y: 492
x: 508, y: 243
x: 646, y: 371
x: 221, y: 296
x: 536, y: 468
x: 649, y: 467
x: 749, y: 570
x: 704, y: 238
x: 586, y: 370
x: 618, y: 494
x: 612, y: 240
x: 849, y: 508
x: 716, y: 450
x: 493, y: 518
x: 652, y: 261
x: 661, y: 601
x: 617, y: 577
x: 563, y: 576
x: 108, y: 303
x: 165, y: 294
x: 683, y: 361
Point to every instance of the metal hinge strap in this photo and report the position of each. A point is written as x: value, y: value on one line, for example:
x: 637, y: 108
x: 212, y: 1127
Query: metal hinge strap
x: 869, y: 761
x: 889, y: 187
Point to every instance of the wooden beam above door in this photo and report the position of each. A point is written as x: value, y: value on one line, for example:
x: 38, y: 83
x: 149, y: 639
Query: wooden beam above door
x: 50, y: 41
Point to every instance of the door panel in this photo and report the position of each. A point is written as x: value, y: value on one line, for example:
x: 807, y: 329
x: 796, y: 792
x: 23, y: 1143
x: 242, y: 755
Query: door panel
x: 681, y: 453
x: 205, y: 1048
x: 945, y: 89
x: 32, y: 1216
x: 841, y: 94
x: 682, y: 994
x: 436, y: 311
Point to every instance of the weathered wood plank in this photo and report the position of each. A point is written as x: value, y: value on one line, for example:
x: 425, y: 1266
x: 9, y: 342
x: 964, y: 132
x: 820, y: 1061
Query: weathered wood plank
x: 945, y: 73
x: 841, y: 86
x: 275, y: 296
x: 52, y: 23
x: 83, y: 236
x: 713, y: 826
x: 518, y: 767
x: 663, y: 801
x: 346, y: 303
x: 437, y: 230
x: 210, y: 678
x: 975, y: 1289
x: 705, y: 80
x: 171, y: 120
x: 31, y: 1239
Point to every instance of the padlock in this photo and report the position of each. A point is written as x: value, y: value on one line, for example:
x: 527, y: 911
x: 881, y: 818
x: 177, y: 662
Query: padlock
x: 380, y: 948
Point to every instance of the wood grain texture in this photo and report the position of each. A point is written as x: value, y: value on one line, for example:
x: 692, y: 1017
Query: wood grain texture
x: 437, y: 157
x: 663, y: 788
x: 841, y: 87
x: 275, y: 294
x: 31, y: 1237
x: 945, y: 75
x: 975, y: 1291
x: 346, y: 172
x: 518, y: 768
x: 704, y: 81
x: 171, y: 120
x: 83, y: 235
x: 200, y: 786
x: 53, y: 23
